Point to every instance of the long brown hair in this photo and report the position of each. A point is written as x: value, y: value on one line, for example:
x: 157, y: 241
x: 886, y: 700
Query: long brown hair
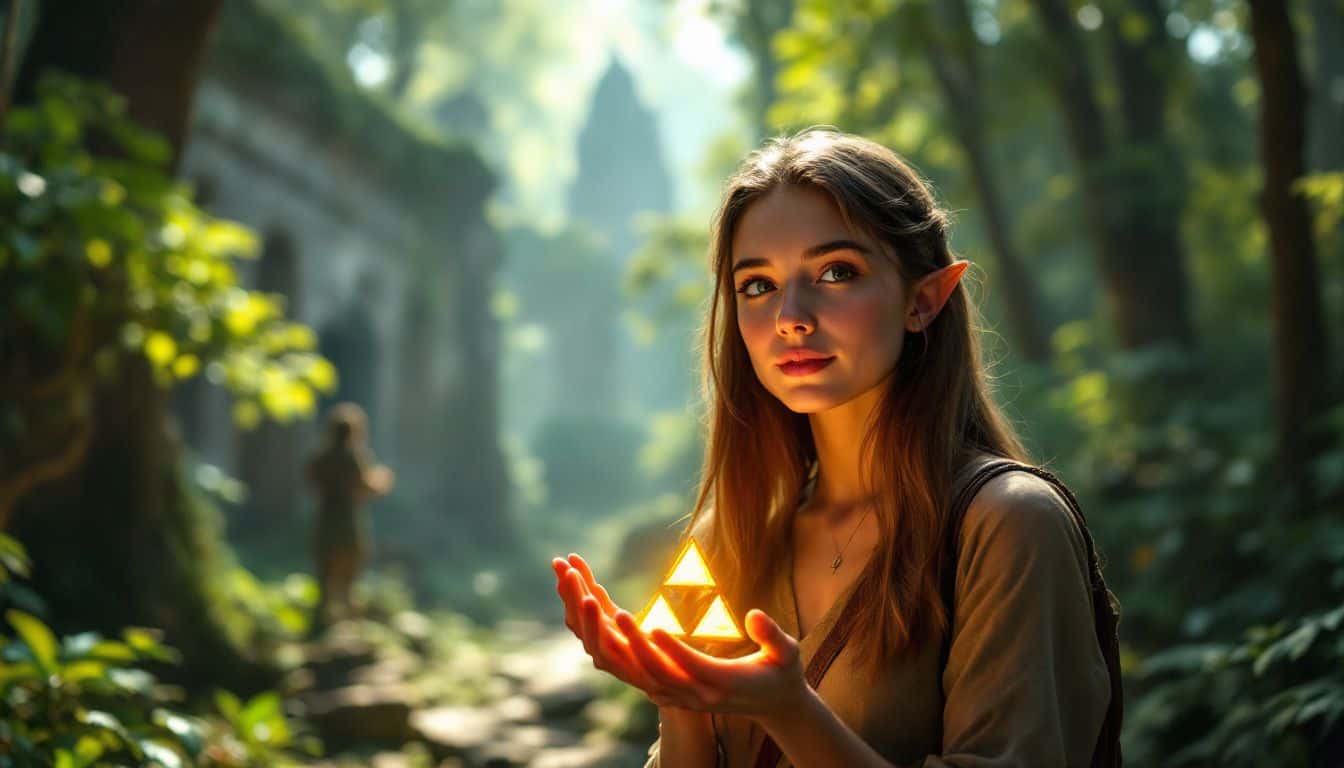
x: 935, y: 410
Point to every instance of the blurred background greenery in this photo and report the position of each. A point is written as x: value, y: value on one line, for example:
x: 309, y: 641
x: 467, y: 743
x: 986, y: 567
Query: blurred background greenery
x: 486, y: 223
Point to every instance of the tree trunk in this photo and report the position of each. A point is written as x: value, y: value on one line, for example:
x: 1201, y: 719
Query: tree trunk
x: 1145, y: 292
x: 756, y: 25
x: 9, y: 44
x: 149, y: 51
x: 1327, y: 97
x: 124, y: 540
x: 1301, y: 362
x: 1148, y: 185
x: 957, y: 69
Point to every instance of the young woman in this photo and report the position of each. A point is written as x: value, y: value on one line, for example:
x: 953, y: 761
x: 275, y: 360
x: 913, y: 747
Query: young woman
x: 848, y: 398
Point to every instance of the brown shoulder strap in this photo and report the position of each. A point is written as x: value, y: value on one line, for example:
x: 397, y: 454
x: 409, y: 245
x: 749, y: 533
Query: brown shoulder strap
x: 769, y: 753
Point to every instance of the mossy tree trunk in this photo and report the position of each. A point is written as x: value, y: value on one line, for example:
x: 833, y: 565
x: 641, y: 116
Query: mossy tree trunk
x: 124, y: 539
x: 1145, y: 288
x: 953, y: 54
x: 1301, y: 362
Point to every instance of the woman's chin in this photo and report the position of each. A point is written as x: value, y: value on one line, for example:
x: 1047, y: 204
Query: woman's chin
x: 808, y: 400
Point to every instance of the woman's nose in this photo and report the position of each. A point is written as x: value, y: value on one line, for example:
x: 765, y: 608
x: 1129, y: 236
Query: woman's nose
x: 794, y: 316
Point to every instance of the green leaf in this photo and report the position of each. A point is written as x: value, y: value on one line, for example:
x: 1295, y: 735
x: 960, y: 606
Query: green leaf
x: 229, y: 706
x: 21, y: 672
x: 186, y: 731
x: 83, y: 671
x: 145, y: 642
x: 88, y: 749
x: 133, y: 680
x: 37, y: 637
x: 109, y: 724
x: 260, y: 710
x: 159, y: 754
x: 13, y: 556
x: 111, y: 650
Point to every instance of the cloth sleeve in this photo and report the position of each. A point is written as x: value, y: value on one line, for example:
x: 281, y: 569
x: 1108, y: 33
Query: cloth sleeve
x: 1025, y: 682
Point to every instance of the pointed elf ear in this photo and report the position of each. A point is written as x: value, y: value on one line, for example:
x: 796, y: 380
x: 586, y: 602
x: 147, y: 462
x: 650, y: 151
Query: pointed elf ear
x: 931, y: 293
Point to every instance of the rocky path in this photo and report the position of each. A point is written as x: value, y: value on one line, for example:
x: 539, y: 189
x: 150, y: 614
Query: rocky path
x: 412, y: 694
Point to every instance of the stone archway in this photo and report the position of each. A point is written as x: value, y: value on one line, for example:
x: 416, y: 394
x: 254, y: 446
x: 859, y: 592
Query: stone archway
x: 348, y: 340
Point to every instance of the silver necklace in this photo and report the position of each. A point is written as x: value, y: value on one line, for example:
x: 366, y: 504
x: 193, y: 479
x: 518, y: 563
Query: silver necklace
x: 839, y: 552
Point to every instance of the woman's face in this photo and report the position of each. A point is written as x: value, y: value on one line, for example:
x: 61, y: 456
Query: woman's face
x: 808, y: 287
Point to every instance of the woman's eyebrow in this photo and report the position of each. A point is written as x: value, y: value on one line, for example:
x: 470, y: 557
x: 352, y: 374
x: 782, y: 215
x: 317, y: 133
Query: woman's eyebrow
x: 814, y: 252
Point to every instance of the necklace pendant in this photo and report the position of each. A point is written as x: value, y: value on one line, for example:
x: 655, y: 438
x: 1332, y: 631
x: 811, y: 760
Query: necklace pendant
x: 835, y: 565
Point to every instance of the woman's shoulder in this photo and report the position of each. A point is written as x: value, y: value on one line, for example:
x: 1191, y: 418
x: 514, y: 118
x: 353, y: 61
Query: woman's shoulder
x: 1021, y: 514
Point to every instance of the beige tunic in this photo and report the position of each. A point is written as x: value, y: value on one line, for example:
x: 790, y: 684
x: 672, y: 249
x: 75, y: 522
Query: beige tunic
x: 1025, y: 683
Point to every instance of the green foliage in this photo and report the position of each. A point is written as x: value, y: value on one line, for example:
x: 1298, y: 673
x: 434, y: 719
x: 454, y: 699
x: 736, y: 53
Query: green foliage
x: 1201, y: 541
x: 276, y: 611
x: 1326, y: 192
x: 669, y: 274
x: 106, y: 254
x: 257, y: 733
x: 1272, y: 699
x: 88, y: 699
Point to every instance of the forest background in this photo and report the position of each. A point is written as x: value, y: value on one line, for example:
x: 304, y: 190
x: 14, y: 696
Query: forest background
x: 486, y: 222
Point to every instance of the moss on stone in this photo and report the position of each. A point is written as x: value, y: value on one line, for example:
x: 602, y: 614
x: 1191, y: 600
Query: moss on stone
x: 270, y: 58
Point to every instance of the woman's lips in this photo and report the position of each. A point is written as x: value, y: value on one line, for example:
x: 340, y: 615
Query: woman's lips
x: 805, y: 367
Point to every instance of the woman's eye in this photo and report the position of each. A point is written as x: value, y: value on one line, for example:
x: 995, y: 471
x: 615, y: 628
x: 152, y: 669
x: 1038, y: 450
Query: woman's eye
x: 841, y: 272
x: 748, y: 290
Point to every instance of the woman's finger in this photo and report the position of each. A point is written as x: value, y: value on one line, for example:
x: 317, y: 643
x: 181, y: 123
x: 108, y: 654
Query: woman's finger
x: 680, y: 685
x: 610, y: 651
x: 661, y: 669
x: 699, y: 666
x: 589, y: 581
x: 572, y: 593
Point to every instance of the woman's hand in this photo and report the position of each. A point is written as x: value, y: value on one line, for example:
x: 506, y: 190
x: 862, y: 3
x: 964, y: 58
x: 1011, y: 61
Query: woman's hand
x: 591, y: 615
x: 672, y: 673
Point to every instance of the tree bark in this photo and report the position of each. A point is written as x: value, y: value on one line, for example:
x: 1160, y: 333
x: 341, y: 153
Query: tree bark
x: 1145, y: 292
x: 1327, y: 96
x: 1148, y: 184
x: 124, y: 539
x: 149, y: 51
x: 1301, y: 360
x: 756, y: 25
x: 956, y: 67
x: 8, y: 45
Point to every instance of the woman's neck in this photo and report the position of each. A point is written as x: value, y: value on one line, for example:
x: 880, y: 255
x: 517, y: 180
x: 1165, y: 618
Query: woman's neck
x: 838, y: 435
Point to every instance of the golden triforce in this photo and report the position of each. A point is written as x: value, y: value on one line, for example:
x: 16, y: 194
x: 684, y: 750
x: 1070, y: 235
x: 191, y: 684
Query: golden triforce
x: 689, y: 597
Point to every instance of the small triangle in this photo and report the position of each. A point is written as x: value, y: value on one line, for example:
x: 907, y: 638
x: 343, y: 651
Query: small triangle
x: 716, y: 622
x: 690, y: 569
x: 660, y: 616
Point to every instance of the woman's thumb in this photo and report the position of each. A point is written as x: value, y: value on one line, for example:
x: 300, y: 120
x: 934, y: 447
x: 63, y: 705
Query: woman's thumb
x: 766, y: 633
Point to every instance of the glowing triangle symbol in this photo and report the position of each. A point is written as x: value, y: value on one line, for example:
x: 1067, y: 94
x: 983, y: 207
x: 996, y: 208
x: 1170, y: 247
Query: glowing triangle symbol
x: 690, y: 570
x: 660, y: 616
x: 716, y: 622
